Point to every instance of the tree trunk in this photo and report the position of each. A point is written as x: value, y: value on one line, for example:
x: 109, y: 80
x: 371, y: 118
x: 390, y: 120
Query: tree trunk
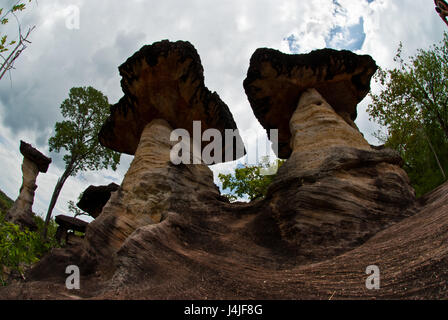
x: 435, y: 155
x: 54, y: 197
x: 443, y: 124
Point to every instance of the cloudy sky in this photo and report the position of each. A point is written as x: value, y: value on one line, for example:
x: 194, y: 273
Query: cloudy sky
x: 64, y: 54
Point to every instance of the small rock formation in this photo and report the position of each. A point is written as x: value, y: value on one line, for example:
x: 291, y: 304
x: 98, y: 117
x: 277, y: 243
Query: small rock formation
x: 336, y: 206
x: 66, y: 224
x: 94, y: 198
x: 33, y: 162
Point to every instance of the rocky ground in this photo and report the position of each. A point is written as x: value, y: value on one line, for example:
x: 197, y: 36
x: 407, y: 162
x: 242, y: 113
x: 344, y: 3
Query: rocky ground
x: 222, y: 256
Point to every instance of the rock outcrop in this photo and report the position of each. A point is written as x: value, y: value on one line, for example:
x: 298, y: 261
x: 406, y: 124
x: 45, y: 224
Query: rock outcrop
x: 33, y: 162
x: 94, y: 198
x: 337, y: 206
x: 340, y: 191
x: 150, y: 190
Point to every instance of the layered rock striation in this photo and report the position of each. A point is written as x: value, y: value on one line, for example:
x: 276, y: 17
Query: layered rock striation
x: 340, y: 191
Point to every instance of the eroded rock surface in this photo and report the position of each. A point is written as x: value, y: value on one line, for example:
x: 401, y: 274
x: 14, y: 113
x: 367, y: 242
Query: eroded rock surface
x: 151, y: 188
x: 33, y: 162
x: 335, y: 207
x: 340, y: 191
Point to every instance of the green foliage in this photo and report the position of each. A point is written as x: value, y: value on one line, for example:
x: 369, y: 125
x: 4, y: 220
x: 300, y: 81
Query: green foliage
x: 4, y: 14
x: 21, y: 248
x: 86, y: 110
x: 5, y: 204
x: 75, y: 210
x: 249, y: 180
x: 17, y: 248
x: 413, y: 107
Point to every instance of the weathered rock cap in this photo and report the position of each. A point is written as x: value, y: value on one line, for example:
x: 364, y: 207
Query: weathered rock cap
x: 71, y: 223
x: 275, y: 82
x: 163, y: 80
x: 35, y: 156
x: 94, y: 198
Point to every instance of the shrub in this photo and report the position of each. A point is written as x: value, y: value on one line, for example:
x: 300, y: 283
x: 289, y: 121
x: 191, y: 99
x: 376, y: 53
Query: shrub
x: 19, y: 248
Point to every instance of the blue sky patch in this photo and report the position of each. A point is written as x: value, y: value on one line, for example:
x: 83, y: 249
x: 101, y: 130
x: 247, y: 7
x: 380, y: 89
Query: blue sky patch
x: 340, y: 37
x: 292, y: 43
x: 349, y: 38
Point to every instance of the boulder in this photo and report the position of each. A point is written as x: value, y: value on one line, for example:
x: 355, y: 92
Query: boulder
x: 94, y: 198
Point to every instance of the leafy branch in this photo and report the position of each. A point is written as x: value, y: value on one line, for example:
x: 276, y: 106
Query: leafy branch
x: 14, y: 48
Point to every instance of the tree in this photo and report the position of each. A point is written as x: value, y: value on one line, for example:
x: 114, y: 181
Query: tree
x: 75, y: 210
x: 87, y: 109
x: 413, y: 107
x: 13, y: 48
x: 250, y: 181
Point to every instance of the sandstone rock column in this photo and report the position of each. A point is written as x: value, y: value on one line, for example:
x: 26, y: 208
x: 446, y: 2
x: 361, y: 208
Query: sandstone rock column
x: 316, y: 128
x: 141, y: 198
x: 164, y: 90
x: 33, y: 163
x: 339, y: 190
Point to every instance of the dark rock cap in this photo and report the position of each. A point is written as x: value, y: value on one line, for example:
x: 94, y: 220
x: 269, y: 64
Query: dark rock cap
x: 275, y: 82
x: 94, y: 198
x: 35, y: 156
x: 71, y: 223
x: 164, y: 80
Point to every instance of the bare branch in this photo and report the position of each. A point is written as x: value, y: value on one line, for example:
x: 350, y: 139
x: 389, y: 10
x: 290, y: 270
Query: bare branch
x: 8, y: 64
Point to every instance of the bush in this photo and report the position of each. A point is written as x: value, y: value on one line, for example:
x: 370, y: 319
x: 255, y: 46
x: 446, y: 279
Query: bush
x: 19, y: 249
x: 249, y: 181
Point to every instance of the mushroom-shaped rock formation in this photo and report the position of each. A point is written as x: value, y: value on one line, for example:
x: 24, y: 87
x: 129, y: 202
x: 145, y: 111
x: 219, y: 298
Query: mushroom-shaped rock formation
x: 33, y: 162
x: 275, y: 82
x: 164, y: 90
x: 165, y: 80
x: 340, y: 190
x: 94, y: 198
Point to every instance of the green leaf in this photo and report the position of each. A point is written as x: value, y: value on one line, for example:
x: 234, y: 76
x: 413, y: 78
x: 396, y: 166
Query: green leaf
x: 412, y: 108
